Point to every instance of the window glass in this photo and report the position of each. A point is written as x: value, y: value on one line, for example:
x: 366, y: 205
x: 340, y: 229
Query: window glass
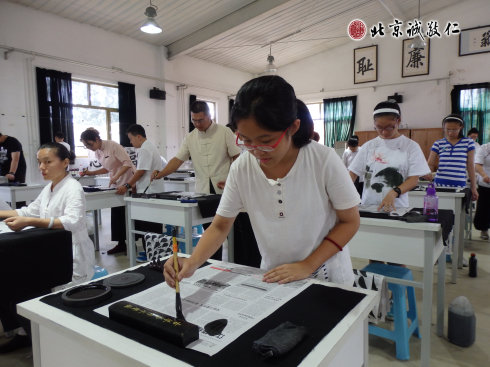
x: 115, y: 126
x: 103, y: 96
x: 316, y: 112
x: 79, y: 92
x: 97, y: 106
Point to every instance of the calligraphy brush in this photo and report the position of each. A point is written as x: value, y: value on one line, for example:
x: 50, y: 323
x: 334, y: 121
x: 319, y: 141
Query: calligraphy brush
x: 144, y: 192
x: 178, y: 301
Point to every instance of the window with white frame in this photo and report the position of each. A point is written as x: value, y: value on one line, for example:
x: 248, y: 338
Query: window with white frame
x: 94, y: 105
x: 211, y: 106
x: 316, y: 112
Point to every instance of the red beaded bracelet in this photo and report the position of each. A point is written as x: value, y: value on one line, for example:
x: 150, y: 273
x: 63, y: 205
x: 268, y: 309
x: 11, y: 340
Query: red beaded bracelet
x: 335, y: 243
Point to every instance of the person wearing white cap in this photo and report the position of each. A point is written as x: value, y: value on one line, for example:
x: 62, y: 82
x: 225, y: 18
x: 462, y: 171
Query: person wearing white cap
x: 391, y: 163
x: 453, y: 156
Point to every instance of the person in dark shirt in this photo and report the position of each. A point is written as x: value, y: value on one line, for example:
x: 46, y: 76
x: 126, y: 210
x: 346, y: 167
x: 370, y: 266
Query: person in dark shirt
x: 12, y: 161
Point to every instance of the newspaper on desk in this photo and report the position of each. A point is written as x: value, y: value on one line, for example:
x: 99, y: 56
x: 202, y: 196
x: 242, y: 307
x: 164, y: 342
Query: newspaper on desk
x: 224, y: 291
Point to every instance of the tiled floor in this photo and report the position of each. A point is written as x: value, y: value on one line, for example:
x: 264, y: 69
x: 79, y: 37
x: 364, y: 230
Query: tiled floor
x: 381, y: 351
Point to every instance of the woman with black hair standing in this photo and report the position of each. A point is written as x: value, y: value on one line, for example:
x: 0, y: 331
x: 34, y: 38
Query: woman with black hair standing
x: 115, y: 161
x: 301, y: 202
x: 61, y: 204
x: 453, y: 156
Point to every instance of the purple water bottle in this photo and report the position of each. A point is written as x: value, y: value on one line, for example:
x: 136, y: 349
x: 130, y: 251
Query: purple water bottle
x: 431, y: 203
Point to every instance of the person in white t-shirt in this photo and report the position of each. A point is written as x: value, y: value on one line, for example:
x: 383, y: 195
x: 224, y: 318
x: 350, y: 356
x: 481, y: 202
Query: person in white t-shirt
x: 391, y: 163
x: 482, y: 215
x: 149, y: 160
x: 59, y: 137
x: 349, y: 155
x: 301, y: 202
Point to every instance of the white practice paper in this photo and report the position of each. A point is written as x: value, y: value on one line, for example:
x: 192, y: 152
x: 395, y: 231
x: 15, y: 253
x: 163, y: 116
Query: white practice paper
x: 4, y: 228
x: 221, y: 291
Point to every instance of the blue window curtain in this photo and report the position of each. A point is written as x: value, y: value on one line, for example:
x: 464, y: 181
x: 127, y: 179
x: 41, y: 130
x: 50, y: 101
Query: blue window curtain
x: 54, y: 105
x: 472, y: 102
x: 339, y: 116
x: 127, y: 111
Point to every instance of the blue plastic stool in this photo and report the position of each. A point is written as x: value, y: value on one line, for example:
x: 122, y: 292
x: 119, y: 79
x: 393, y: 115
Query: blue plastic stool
x: 99, y: 272
x: 402, y: 331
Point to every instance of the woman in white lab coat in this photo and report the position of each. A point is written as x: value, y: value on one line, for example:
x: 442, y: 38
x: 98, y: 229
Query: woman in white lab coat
x: 61, y: 204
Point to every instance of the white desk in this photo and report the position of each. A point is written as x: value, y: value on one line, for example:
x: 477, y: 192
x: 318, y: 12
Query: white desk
x: 13, y: 194
x: 414, y: 244
x: 171, y: 212
x: 187, y: 185
x: 63, y: 339
x: 101, y: 200
x: 455, y: 202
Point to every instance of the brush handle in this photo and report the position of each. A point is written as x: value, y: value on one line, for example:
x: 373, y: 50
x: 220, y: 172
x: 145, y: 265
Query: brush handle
x: 176, y: 263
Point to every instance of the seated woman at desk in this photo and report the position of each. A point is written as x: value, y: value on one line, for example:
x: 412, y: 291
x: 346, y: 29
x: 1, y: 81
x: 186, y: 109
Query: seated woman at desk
x: 301, y: 202
x: 61, y: 204
x: 115, y: 161
x: 390, y: 164
x: 453, y: 155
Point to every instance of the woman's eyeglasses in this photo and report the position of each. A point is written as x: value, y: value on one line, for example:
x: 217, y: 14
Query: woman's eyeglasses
x: 388, y: 129
x: 262, y: 148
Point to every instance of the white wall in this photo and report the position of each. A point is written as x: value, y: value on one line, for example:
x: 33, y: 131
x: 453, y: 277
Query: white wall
x: 94, y: 54
x: 426, y: 99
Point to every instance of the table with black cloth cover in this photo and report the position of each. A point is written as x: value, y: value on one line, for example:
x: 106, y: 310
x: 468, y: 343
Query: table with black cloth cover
x: 159, y: 208
x: 445, y: 218
x: 330, y: 313
x: 31, y: 263
x: 418, y: 244
x: 457, y: 201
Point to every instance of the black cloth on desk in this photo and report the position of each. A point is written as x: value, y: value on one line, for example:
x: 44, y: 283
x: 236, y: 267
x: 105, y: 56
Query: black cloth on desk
x: 325, y: 306
x: 31, y: 263
x: 445, y: 219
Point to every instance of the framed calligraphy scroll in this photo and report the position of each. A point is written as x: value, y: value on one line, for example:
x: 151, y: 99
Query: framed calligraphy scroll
x: 366, y: 64
x: 415, y: 60
x: 474, y: 40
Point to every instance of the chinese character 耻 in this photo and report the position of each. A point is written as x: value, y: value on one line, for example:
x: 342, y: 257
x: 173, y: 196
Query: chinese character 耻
x: 415, y: 29
x: 396, y: 28
x: 364, y: 65
x: 379, y: 30
x: 455, y: 28
x: 433, y: 29
x: 415, y: 60
x: 485, y: 39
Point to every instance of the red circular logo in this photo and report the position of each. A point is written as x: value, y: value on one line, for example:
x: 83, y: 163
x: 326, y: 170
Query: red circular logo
x: 357, y: 29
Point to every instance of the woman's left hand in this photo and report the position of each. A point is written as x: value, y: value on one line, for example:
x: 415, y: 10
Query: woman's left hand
x: 287, y: 273
x: 388, y: 203
x: 17, y: 223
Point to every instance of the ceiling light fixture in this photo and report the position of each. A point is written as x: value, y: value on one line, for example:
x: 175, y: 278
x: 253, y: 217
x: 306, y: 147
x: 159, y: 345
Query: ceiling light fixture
x: 418, y: 42
x: 270, y: 69
x: 149, y: 25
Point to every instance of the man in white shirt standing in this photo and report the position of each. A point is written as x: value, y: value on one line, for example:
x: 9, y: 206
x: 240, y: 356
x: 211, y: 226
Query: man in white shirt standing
x: 148, y: 159
x: 212, y: 148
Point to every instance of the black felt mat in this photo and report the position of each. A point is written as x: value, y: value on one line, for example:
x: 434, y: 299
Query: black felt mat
x: 318, y: 308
